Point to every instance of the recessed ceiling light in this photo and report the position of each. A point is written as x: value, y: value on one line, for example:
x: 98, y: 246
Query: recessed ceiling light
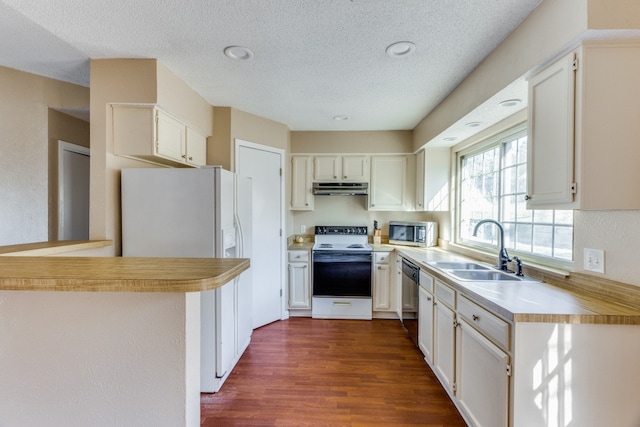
x: 400, y: 49
x: 449, y: 138
x: 341, y: 118
x: 473, y: 124
x: 239, y: 53
x: 510, y: 102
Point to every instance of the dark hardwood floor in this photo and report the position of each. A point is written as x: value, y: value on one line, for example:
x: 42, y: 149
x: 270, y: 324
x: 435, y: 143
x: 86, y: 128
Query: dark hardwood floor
x: 312, y: 372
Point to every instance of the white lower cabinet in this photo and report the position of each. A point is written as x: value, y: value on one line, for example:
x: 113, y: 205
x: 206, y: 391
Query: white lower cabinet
x: 528, y: 374
x: 425, y: 323
x: 444, y: 345
x: 467, y: 348
x: 299, y: 280
x: 482, y: 378
x: 384, y: 290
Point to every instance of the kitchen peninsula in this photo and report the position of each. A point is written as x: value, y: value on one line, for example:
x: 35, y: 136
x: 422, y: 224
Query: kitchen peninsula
x: 103, y: 341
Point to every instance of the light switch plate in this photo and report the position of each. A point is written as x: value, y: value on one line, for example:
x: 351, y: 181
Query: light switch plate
x: 594, y: 260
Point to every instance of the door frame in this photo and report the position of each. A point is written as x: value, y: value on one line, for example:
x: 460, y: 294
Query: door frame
x: 284, y: 313
x: 63, y: 147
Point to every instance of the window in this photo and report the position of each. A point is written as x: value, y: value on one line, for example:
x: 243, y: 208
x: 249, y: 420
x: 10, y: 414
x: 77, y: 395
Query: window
x: 493, y: 183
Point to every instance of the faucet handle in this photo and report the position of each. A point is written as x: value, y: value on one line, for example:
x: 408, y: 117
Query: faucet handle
x: 518, y: 266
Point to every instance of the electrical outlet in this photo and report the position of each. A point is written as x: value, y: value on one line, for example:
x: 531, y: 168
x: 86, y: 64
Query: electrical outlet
x: 594, y: 260
x: 303, y: 228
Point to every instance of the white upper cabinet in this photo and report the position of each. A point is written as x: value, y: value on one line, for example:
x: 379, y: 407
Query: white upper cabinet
x: 583, y: 129
x: 301, y: 183
x: 328, y: 168
x: 145, y: 132
x: 389, y: 190
x: 550, y: 134
x: 355, y: 168
x: 432, y: 180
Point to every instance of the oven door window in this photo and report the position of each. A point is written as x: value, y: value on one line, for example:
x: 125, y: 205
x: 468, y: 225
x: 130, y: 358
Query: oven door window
x: 341, y: 274
x: 405, y: 233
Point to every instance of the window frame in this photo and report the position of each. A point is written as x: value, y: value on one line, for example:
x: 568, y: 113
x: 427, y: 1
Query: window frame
x: 476, y: 147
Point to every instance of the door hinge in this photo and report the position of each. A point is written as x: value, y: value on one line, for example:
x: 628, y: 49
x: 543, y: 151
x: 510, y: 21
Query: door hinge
x: 281, y: 232
x: 574, y: 188
x: 280, y: 293
x: 280, y: 171
x: 574, y: 65
x: 508, y: 370
x: 454, y: 387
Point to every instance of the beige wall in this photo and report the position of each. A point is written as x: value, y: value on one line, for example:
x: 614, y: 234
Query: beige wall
x: 549, y: 27
x: 393, y: 141
x: 231, y: 124
x: 129, y: 81
x: 25, y: 150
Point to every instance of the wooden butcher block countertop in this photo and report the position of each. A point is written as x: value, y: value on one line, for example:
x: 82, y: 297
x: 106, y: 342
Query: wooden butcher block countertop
x: 118, y: 274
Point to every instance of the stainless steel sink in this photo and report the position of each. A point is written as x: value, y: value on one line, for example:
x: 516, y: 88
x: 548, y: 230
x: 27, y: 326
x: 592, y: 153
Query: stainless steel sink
x: 461, y: 265
x: 489, y: 275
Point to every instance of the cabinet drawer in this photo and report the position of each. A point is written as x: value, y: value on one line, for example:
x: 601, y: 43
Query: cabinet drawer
x: 382, y: 257
x: 298, y: 256
x: 426, y: 281
x: 486, y: 322
x: 445, y: 294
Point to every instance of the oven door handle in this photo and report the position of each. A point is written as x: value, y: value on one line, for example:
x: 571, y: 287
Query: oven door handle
x: 325, y: 257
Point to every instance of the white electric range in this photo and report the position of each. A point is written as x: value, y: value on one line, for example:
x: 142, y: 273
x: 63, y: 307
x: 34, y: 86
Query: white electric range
x: 342, y: 273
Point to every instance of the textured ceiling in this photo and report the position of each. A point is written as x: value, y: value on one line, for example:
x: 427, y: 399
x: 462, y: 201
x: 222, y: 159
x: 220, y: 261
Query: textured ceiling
x: 313, y: 59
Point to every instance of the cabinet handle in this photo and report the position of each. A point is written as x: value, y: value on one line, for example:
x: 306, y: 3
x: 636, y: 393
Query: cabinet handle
x: 475, y: 317
x: 527, y: 197
x: 184, y: 156
x: 345, y: 177
x: 190, y: 158
x: 304, y: 266
x: 428, y: 298
x: 306, y: 204
x: 379, y: 268
x: 335, y: 176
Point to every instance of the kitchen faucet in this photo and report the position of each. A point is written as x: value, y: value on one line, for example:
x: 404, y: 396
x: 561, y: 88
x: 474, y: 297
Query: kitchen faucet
x: 503, y: 256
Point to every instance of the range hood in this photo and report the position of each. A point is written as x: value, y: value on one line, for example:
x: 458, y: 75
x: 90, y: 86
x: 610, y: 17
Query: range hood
x: 340, y: 188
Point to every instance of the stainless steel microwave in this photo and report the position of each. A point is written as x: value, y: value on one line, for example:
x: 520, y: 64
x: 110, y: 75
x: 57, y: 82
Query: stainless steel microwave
x: 413, y: 233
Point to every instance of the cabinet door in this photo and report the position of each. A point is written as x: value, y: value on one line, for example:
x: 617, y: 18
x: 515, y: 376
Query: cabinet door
x: 425, y: 323
x: 382, y: 296
x: 355, y: 168
x: 420, y: 177
x: 482, y: 378
x: 388, y: 183
x: 196, y: 147
x: 326, y: 168
x: 444, y: 345
x: 398, y: 284
x: 299, y: 285
x: 437, y: 162
x: 550, y: 140
x: 170, y: 137
x: 301, y: 183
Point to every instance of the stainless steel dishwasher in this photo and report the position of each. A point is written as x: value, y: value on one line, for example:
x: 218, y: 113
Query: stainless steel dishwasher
x: 410, y: 283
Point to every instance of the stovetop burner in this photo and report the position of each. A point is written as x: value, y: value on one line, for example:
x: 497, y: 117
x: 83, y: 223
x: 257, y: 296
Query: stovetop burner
x: 341, y: 238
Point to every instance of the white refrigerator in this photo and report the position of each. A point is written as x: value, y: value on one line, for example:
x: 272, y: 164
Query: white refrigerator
x: 197, y: 213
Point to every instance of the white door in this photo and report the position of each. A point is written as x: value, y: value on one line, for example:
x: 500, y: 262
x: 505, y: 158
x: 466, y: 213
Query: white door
x: 263, y: 165
x: 73, y: 192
